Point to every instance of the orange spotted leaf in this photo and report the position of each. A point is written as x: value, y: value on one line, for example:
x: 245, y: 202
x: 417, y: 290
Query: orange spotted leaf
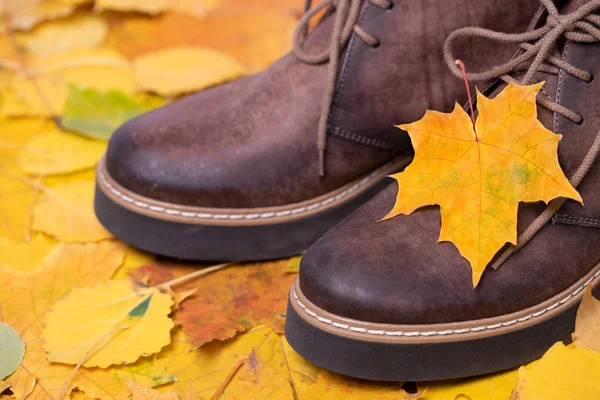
x: 229, y: 301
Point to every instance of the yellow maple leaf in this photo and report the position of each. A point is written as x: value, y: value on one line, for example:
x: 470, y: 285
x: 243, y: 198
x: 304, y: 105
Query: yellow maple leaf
x: 86, y: 319
x: 587, y: 324
x: 479, y: 176
x: 66, y: 213
x: 562, y: 373
x: 56, y: 152
x: 184, y: 69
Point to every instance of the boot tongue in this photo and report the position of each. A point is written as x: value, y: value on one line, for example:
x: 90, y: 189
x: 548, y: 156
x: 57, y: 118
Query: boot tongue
x: 550, y: 87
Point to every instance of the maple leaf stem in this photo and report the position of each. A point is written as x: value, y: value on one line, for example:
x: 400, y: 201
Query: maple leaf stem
x: 85, y: 357
x: 186, y: 278
x: 229, y: 378
x: 464, y: 72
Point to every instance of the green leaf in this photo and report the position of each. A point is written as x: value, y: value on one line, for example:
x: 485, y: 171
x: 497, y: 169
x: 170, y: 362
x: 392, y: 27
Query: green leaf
x: 97, y: 114
x: 293, y: 265
x: 12, y: 350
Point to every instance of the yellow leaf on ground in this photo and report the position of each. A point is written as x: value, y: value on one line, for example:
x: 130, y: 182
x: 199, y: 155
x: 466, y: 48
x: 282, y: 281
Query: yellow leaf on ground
x: 79, y: 395
x: 184, y: 69
x: 65, y: 267
x: 141, y: 392
x: 6, y: 77
x: 57, y: 152
x: 42, y: 97
x: 17, y: 193
x: 45, y: 92
x: 16, y: 197
x: 133, y: 260
x: 292, y: 7
x: 11, y: 253
x: 84, y: 320
x: 273, y: 370
x: 75, y: 32
x: 562, y: 373
x: 149, y: 7
x: 332, y: 386
x: 492, y: 387
x: 587, y: 325
x: 66, y: 213
x: 206, y: 367
x: 257, y: 380
x: 479, y: 176
x: 242, y: 37
x: 11, y: 104
x: 25, y: 14
x: 196, y: 8
x: 232, y: 300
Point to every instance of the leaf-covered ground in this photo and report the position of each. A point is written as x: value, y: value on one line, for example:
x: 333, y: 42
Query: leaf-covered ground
x: 70, y: 72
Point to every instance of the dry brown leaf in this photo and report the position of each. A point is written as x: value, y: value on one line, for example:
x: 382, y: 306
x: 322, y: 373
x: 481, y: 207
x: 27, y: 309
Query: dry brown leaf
x: 233, y: 300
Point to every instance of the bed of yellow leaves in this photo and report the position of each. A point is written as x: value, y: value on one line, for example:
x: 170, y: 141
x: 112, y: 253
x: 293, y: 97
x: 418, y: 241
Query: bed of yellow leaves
x: 102, y: 320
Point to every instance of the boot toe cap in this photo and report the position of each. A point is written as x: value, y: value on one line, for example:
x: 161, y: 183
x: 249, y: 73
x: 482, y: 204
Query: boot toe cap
x: 396, y: 272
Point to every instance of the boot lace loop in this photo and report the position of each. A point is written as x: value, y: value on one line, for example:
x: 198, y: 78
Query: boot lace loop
x: 582, y: 26
x: 345, y: 23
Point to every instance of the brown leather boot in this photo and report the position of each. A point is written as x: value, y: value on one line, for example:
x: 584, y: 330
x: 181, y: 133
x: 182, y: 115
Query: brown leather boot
x: 260, y: 168
x: 386, y: 301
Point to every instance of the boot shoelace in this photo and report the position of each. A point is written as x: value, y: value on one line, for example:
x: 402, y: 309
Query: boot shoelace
x: 344, y: 24
x: 581, y: 26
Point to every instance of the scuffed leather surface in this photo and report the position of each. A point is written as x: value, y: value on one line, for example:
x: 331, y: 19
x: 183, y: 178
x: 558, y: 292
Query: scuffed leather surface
x: 252, y: 142
x: 396, y: 272
x: 412, y: 34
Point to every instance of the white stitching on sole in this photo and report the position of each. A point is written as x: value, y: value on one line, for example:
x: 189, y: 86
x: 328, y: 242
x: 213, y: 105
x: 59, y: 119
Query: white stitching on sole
x: 447, y: 332
x: 190, y: 215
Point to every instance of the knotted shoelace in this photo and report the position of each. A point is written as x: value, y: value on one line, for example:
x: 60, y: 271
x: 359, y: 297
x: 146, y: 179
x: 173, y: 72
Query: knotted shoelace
x: 344, y: 24
x: 582, y: 26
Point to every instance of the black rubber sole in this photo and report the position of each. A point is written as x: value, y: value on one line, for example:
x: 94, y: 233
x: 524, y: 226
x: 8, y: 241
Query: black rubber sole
x: 222, y: 243
x: 427, y: 362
